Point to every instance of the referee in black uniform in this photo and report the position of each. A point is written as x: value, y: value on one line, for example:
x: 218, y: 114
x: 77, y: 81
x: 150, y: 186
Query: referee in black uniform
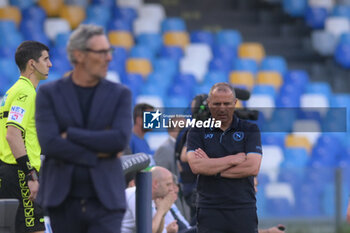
x: 226, y: 160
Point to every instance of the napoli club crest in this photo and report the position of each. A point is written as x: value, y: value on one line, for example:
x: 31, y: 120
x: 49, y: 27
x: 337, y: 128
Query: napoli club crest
x: 238, y: 136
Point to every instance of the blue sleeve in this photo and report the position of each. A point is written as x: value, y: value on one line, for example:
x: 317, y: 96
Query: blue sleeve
x: 253, y: 140
x: 194, y: 139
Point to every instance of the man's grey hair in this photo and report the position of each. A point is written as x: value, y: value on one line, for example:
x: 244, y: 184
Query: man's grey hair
x: 222, y: 87
x: 79, y: 38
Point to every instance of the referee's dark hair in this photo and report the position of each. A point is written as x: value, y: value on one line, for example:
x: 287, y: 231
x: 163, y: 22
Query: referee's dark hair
x: 28, y: 50
x: 140, y: 108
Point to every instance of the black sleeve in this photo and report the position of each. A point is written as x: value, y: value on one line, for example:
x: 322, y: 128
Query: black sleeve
x: 253, y: 140
x: 194, y: 139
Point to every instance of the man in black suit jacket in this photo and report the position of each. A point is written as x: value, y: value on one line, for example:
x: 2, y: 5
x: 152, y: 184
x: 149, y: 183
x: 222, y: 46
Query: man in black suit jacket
x: 83, y: 123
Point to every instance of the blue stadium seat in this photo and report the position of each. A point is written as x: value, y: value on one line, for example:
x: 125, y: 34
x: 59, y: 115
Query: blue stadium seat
x: 107, y: 3
x: 30, y: 30
x: 228, y: 37
x: 151, y: 40
x: 96, y: 21
x: 315, y: 17
x: 61, y: 65
x: 135, y: 81
x: 201, y: 36
x: 174, y: 52
x: 174, y: 101
x: 160, y: 79
x: 140, y: 51
x: 127, y: 13
x: 245, y: 64
x: 61, y: 39
x: 298, y: 78
x: 119, y: 25
x: 279, y: 207
x: 274, y: 63
x: 5, y: 84
x: 173, y: 24
x: 268, y: 138
x: 166, y: 65
x: 34, y: 13
x: 340, y: 100
x: 9, y: 69
x: 341, y: 10
x: 213, y: 77
x: 323, y: 88
x: 185, y: 79
x: 117, y: 64
x: 219, y: 64
x: 7, y: 52
x: 202, y: 89
x: 308, y: 200
x: 153, y: 89
x: 100, y: 13
x: 344, y: 38
x: 287, y: 100
x: 297, y: 157
x: 7, y: 27
x: 265, y: 90
x: 181, y: 90
x: 291, y: 174
x: 295, y: 8
x: 225, y: 52
x: 22, y: 4
x: 342, y: 54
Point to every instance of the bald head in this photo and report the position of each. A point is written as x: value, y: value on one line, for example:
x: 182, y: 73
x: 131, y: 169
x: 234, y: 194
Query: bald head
x: 222, y: 88
x: 162, y: 182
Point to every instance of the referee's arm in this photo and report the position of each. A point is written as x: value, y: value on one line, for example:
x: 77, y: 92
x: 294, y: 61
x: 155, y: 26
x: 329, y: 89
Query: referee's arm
x: 15, y: 141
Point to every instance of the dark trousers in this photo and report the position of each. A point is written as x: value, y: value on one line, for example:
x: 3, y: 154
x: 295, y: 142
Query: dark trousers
x: 78, y: 215
x: 227, y: 220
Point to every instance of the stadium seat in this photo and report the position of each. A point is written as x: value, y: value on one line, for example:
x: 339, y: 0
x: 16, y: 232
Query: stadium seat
x: 118, y: 62
x: 152, y: 10
x: 119, y: 25
x: 340, y: 100
x: 220, y: 65
x: 34, y: 13
x: 264, y: 89
x: 280, y: 190
x: 292, y: 141
x: 153, y: 100
x: 297, y: 156
x: 323, y: 88
x: 308, y: 200
x: 225, y: 52
x: 262, y: 102
x: 341, y: 10
x: 228, y: 37
x: 298, y: 78
x: 5, y: 84
x: 168, y: 66
x: 328, y: 4
x: 22, y: 4
x: 174, y: 52
x: 139, y: 66
x: 51, y: 7
x: 125, y: 13
x: 181, y: 90
x: 134, y: 82
x: 154, y: 89
x: 270, y: 78
x: 245, y: 64
x: 197, y: 68
x: 151, y: 40
x: 176, y: 102
x: 323, y: 42
x: 242, y: 78
x: 284, y: 100
x: 11, y: 13
x: 160, y: 79
x: 73, y: 14
x: 81, y: 3
x: 315, y: 17
x: 295, y: 8
x: 54, y: 26
x: 180, y: 39
x: 113, y: 76
x: 342, y: 55
x: 146, y: 25
x: 202, y: 89
x: 198, y: 51
x: 130, y: 3
x: 213, y: 77
x: 274, y: 63
x: 121, y: 39
x: 9, y: 69
x: 272, y: 138
x: 201, y: 36
x: 140, y: 51
x: 254, y: 51
x: 173, y: 25
x: 4, y: 3
x: 337, y: 25
x: 311, y: 129
x: 185, y: 79
x: 273, y: 156
x: 315, y: 102
x: 98, y: 13
x: 108, y: 3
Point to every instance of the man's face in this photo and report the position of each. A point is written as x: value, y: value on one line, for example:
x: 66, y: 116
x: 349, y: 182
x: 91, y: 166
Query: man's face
x: 97, y: 56
x: 43, y: 65
x: 164, y: 186
x: 222, y: 105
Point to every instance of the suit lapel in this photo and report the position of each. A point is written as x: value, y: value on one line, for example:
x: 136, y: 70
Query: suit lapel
x: 100, y: 97
x: 71, y: 100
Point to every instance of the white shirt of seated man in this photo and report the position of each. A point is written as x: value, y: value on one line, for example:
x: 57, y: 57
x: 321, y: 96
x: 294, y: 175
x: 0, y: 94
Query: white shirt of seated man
x: 163, y: 197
